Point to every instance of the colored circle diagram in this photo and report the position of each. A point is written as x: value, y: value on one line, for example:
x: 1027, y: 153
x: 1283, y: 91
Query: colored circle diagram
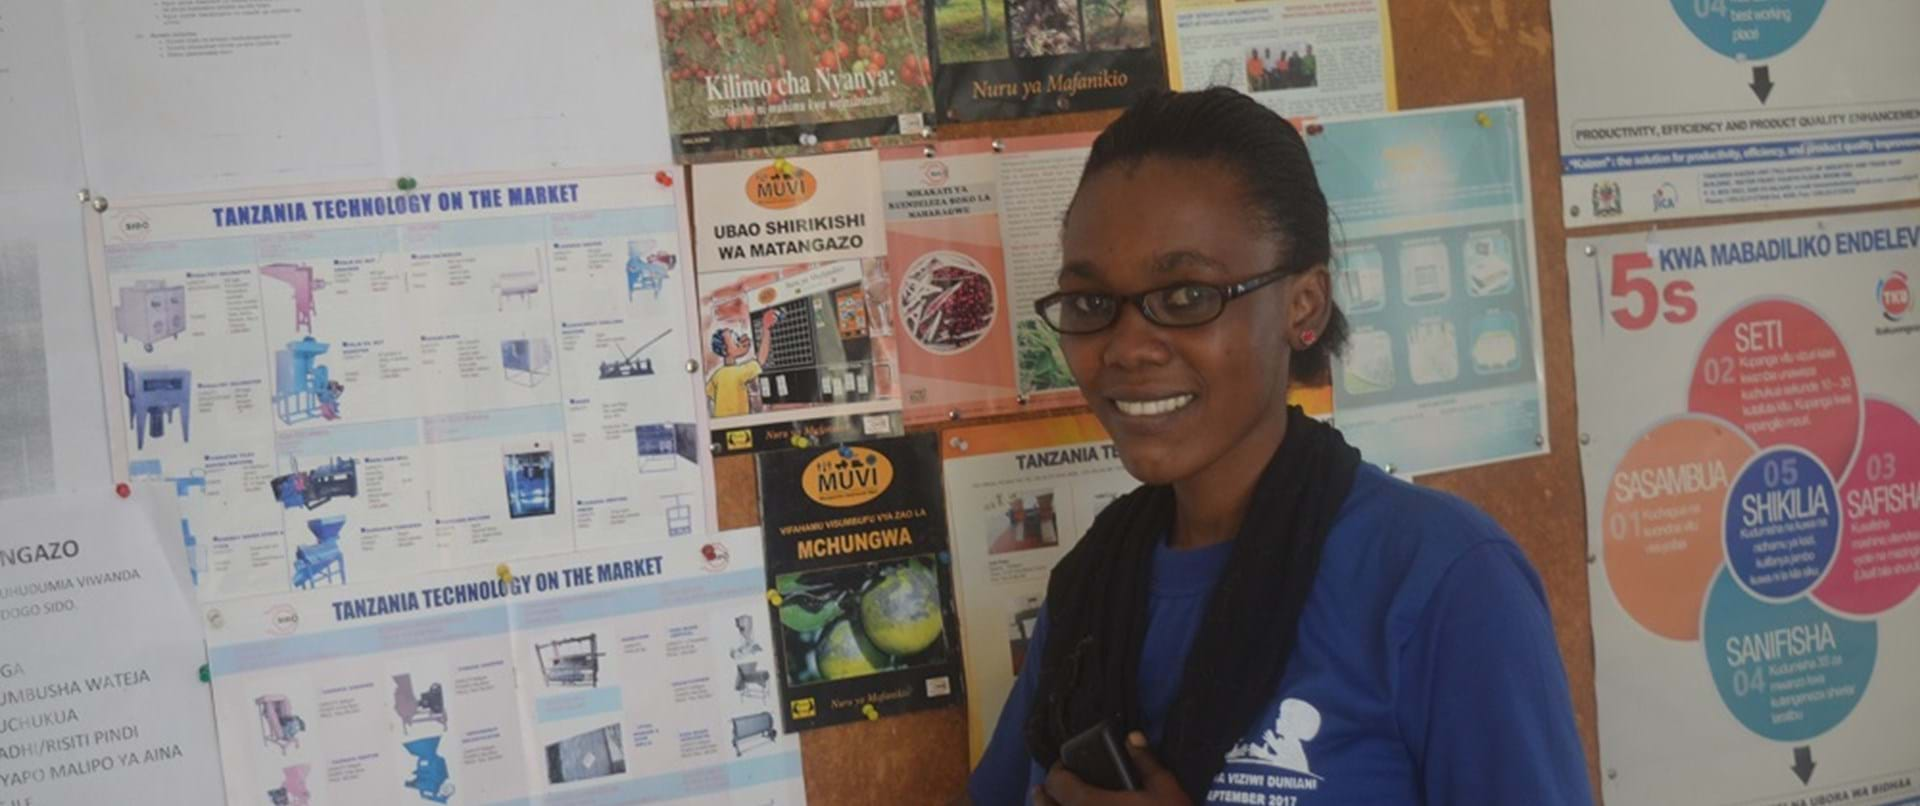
x: 1749, y: 30
x: 1772, y: 522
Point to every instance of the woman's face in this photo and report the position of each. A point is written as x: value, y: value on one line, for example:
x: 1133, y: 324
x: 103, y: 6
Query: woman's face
x: 1178, y: 400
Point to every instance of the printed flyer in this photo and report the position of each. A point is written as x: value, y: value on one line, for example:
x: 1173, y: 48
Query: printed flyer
x: 100, y: 701
x: 1751, y: 447
x: 1019, y: 496
x: 996, y: 59
x: 795, y: 306
x: 633, y: 674
x: 859, y: 578
x: 1304, y: 58
x: 761, y: 78
x: 1762, y: 105
x: 1038, y: 177
x: 367, y: 383
x: 1436, y: 276
x: 949, y: 273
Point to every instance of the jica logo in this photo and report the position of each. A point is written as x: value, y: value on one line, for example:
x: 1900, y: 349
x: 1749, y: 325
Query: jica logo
x: 1666, y: 197
x: 1896, y: 298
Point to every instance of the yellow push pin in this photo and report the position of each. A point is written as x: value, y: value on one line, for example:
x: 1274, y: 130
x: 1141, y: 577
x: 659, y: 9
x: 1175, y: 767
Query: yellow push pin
x: 504, y: 573
x: 871, y: 712
x: 783, y: 166
x: 773, y: 597
x: 800, y: 441
x: 1485, y: 120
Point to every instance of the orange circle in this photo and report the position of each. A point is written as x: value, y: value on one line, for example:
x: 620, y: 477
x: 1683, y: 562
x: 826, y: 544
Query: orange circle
x: 1662, y: 521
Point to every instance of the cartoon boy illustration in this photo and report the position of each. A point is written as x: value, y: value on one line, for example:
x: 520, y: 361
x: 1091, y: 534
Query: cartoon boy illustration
x: 729, y: 387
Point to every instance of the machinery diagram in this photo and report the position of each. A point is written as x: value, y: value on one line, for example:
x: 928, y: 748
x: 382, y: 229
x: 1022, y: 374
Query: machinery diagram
x: 630, y: 365
x: 752, y: 732
x: 154, y: 394
x: 312, y: 488
x: 526, y: 361
x: 322, y: 561
x: 292, y: 790
x: 300, y: 277
x: 278, y: 724
x: 659, y: 443
x: 593, y: 754
x: 303, y: 388
x: 428, y: 706
x: 430, y: 775
x: 751, y: 682
x: 648, y: 268
x: 679, y: 515
x: 151, y: 311
x: 529, y: 482
x: 570, y: 661
x: 522, y: 284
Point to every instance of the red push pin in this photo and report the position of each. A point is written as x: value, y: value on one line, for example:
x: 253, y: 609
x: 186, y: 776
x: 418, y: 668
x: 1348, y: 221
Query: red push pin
x: 665, y: 179
x: 123, y: 490
x: 1314, y: 128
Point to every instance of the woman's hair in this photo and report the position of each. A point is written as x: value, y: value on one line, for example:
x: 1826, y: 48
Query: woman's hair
x: 1269, y: 156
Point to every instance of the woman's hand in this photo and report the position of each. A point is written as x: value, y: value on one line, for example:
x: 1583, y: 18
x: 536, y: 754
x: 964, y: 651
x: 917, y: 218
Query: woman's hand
x: 1063, y: 788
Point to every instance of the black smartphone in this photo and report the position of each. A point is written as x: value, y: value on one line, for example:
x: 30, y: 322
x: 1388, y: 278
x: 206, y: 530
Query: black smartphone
x: 1098, y: 758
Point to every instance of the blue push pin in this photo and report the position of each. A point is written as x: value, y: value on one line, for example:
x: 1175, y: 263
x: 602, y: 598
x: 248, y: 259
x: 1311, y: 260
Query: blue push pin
x: 846, y: 451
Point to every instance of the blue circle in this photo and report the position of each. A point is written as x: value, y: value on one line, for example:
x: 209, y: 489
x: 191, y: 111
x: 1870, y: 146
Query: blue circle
x: 1749, y: 30
x: 1788, y: 672
x: 1783, y: 523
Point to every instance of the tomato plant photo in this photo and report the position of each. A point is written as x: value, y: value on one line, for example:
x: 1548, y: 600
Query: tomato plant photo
x: 750, y: 64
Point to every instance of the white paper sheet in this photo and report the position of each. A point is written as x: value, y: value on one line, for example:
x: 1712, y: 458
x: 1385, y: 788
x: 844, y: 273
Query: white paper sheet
x: 39, y: 126
x: 100, y: 655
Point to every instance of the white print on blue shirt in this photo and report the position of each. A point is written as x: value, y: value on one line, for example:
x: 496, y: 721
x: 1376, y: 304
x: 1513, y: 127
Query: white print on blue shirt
x: 1275, y: 770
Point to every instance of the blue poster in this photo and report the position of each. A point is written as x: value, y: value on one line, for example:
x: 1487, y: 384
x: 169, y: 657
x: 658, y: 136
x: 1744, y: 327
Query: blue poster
x: 1434, y: 268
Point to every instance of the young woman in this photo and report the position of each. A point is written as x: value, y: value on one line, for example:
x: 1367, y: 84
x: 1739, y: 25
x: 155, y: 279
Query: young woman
x: 1268, y: 619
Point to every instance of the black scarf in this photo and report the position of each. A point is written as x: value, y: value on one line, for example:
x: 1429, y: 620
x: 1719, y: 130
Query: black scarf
x: 1097, y: 611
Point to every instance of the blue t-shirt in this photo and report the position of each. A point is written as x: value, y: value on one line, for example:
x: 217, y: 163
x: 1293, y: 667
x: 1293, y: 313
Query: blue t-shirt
x: 1425, y: 671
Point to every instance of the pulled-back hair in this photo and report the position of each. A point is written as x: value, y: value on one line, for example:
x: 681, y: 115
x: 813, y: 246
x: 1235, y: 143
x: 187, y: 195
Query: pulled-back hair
x: 1269, y: 156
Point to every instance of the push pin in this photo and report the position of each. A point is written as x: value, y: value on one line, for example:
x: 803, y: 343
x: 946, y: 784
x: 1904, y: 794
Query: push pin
x: 504, y: 572
x: 928, y: 151
x: 665, y: 179
x: 692, y: 366
x: 871, y: 712
x: 846, y: 451
x: 800, y: 441
x: 85, y: 194
x: 98, y: 203
x: 773, y: 597
x: 1314, y: 129
x: 206, y: 674
x: 1485, y: 120
x: 1021, y: 399
x: 998, y: 146
x: 1589, y: 250
x: 953, y: 414
x: 123, y: 489
x: 406, y: 183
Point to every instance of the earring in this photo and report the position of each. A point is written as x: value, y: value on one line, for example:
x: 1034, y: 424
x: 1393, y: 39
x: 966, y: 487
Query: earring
x: 1307, y: 336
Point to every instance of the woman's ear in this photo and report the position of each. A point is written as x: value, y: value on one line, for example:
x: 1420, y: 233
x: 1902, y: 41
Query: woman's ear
x: 1309, y: 303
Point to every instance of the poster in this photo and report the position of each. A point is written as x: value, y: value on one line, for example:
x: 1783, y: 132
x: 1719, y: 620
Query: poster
x: 178, y: 97
x: 1751, y: 449
x: 1761, y: 105
x: 100, y: 695
x: 1436, y: 275
x: 764, y: 78
x: 947, y: 268
x: 1019, y: 496
x: 996, y: 59
x: 1038, y: 177
x: 860, y: 580
x: 614, y: 675
x: 1303, y: 58
x: 796, y: 332
x: 364, y: 383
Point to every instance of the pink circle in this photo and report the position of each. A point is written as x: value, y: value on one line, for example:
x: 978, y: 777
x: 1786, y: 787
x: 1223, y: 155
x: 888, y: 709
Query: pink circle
x: 1878, y: 564
x: 1777, y: 371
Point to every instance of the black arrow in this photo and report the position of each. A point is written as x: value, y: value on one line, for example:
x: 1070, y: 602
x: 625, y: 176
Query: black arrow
x: 1802, y: 756
x: 1762, y: 85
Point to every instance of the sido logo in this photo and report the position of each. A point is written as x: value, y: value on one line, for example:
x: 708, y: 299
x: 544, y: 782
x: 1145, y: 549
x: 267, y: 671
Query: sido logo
x: 1666, y: 198
x: 847, y: 477
x: 781, y: 186
x: 130, y: 226
x: 282, y: 620
x: 1896, y: 298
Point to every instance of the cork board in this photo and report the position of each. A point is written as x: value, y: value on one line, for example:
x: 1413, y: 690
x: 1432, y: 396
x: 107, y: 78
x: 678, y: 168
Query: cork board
x: 1445, y: 53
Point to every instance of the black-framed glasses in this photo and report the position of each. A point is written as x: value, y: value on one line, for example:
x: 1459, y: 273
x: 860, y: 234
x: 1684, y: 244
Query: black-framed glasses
x: 1077, y: 313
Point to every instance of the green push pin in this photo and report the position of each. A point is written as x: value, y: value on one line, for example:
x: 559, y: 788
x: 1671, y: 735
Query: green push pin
x: 406, y: 183
x: 206, y: 675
